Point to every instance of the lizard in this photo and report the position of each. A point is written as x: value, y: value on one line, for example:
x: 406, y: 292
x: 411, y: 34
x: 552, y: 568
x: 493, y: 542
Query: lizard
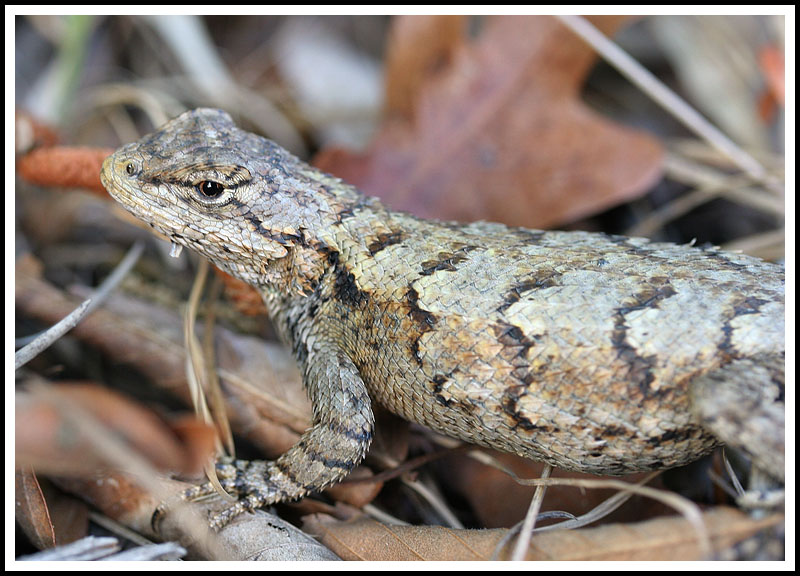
x: 591, y: 352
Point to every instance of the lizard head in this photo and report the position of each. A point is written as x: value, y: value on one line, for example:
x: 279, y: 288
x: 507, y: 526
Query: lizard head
x: 231, y: 195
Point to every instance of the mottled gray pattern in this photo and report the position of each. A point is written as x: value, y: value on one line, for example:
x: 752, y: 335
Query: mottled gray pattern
x: 574, y: 348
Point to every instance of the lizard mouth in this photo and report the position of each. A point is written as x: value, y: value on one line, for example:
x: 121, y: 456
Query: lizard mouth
x: 105, y: 173
x: 113, y: 177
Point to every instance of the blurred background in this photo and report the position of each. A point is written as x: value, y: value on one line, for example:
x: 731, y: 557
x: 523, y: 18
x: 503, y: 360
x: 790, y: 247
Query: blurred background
x: 502, y: 118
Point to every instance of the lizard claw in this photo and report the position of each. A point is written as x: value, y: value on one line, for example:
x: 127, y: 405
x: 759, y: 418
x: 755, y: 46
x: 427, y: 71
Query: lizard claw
x: 246, y: 480
x: 249, y: 503
x: 228, y: 474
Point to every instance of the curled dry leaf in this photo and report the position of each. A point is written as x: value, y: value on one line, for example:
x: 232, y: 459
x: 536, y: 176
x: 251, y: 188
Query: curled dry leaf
x: 31, y: 510
x: 498, y: 130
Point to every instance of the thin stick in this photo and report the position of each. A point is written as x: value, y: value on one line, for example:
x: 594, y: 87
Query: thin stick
x: 600, y: 511
x: 670, y: 101
x: 46, y: 339
x: 524, y: 540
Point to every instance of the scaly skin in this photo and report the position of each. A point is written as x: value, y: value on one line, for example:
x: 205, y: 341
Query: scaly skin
x: 574, y: 348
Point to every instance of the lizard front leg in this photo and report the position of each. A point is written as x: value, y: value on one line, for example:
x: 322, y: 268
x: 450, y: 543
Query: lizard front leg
x: 338, y: 440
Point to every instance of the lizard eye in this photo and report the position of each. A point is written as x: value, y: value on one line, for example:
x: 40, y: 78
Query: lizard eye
x: 131, y: 169
x: 210, y: 189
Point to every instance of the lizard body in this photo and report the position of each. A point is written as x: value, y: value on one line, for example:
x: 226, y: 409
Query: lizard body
x: 579, y: 349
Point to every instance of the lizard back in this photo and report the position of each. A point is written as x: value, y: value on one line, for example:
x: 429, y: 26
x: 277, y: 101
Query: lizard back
x: 569, y: 347
x: 576, y: 348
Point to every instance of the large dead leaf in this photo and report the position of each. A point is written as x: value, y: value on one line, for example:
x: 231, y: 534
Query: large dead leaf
x: 667, y: 538
x: 497, y: 129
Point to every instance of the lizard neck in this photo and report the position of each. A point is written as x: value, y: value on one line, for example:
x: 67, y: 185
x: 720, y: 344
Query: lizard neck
x: 341, y: 226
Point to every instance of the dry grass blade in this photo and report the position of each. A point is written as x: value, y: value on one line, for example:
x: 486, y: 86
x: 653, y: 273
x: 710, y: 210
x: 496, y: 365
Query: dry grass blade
x: 436, y: 502
x: 661, y: 94
x: 217, y: 400
x: 690, y: 511
x: 158, y: 106
x: 383, y: 517
x: 735, y: 188
x: 598, y: 512
x: 524, y: 540
x: 713, y: 182
x: 89, y: 548
x: 197, y: 372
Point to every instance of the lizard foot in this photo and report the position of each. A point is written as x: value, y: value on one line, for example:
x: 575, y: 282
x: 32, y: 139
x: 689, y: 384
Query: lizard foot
x: 247, y: 481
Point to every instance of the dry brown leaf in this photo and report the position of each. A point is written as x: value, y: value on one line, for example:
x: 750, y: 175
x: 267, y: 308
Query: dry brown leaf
x: 246, y: 298
x: 501, y: 134
x: 47, y: 517
x: 357, y: 494
x: 416, y: 49
x: 668, y: 538
x: 31, y: 510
